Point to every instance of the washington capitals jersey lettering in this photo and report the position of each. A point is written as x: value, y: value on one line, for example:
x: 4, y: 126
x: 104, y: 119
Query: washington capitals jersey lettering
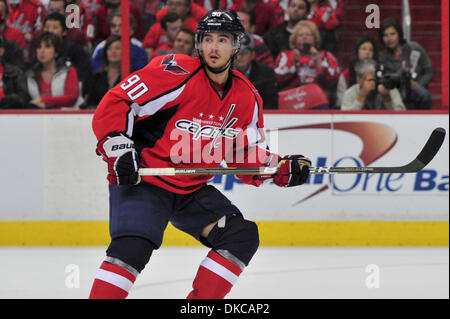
x: 176, y: 118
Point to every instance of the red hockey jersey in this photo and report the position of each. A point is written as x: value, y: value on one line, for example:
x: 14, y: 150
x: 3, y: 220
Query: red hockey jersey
x: 177, y: 118
x: 290, y: 73
x: 27, y: 17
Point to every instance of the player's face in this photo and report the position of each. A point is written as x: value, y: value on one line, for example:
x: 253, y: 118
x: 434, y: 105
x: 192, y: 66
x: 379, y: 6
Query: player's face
x: 217, y: 49
x: 390, y: 38
x: 365, y: 51
x: 45, y: 52
x: 184, y: 43
x: 114, y: 52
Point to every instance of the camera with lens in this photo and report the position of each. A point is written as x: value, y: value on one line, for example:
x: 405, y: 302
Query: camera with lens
x: 389, y: 80
x: 400, y: 80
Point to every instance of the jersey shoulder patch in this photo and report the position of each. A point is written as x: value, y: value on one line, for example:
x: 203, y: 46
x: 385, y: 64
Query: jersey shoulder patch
x: 176, y: 64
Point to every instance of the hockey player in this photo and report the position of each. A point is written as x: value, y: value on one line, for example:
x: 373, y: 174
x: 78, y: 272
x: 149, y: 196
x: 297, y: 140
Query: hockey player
x: 181, y: 111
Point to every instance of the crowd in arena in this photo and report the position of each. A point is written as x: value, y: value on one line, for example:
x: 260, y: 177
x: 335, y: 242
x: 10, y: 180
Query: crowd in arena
x: 66, y: 54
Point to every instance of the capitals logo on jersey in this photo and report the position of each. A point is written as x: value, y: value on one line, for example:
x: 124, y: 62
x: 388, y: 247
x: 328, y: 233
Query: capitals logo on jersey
x: 172, y: 66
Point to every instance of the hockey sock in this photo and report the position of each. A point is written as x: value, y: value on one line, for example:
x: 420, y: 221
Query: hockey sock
x: 112, y: 282
x: 215, y: 277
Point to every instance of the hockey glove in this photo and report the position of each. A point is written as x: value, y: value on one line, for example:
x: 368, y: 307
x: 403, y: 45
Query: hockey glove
x: 123, y: 160
x: 293, y: 170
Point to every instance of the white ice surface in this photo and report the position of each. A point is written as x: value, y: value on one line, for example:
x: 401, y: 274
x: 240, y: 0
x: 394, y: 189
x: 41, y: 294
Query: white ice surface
x: 287, y: 273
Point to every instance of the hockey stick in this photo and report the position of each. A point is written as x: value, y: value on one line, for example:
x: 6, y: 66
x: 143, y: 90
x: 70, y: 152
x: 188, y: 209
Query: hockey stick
x: 428, y: 152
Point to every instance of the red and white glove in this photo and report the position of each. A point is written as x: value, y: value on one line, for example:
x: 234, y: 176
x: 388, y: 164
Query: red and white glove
x: 123, y: 160
x: 293, y: 170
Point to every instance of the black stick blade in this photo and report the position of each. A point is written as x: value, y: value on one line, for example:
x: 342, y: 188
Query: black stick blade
x: 432, y: 146
x: 425, y: 156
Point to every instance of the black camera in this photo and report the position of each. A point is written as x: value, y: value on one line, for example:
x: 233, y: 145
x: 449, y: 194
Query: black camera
x: 305, y: 48
x: 392, y: 80
x: 389, y: 80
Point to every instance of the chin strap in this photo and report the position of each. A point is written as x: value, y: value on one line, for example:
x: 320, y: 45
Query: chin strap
x: 219, y: 70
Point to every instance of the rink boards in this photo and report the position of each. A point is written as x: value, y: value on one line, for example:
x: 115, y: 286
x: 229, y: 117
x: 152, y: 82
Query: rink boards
x: 54, y: 192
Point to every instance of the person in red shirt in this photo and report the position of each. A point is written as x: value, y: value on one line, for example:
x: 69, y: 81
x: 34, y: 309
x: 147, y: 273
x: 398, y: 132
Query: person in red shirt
x: 304, y: 63
x: 106, y: 9
x: 264, y: 14
x: 11, y: 34
x: 27, y: 16
x: 189, y: 13
x: 52, y: 83
x: 170, y: 25
x: 181, y: 111
x: 92, y: 6
x: 210, y: 4
x: 326, y: 14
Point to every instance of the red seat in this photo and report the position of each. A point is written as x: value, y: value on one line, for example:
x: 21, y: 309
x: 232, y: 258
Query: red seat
x: 309, y: 96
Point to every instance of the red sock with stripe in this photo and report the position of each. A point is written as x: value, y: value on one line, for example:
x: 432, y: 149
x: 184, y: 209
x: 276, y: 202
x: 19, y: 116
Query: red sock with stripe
x: 215, y: 277
x: 111, y: 282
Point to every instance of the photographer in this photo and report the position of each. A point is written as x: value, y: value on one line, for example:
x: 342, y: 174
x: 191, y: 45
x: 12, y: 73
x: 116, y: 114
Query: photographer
x: 368, y: 93
x: 409, y: 61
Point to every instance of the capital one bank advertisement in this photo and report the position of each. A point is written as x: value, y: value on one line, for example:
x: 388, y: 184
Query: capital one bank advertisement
x: 351, y: 140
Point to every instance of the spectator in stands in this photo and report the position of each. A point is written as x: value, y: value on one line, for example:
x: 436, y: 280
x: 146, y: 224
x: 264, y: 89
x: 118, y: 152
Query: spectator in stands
x: 170, y: 25
x: 184, y: 42
x: 13, y: 90
x: 109, y: 74
x: 52, y: 82
x: 11, y: 50
x: 137, y: 53
x: 366, y: 48
x: 262, y: 52
x: 279, y: 7
x: 304, y: 63
x: 92, y: 6
x: 264, y: 14
x: 148, y: 8
x: 190, y: 14
x: 108, y: 7
x: 211, y: 4
x: 8, y: 33
x: 366, y: 94
x: 261, y: 76
x: 26, y: 16
x: 277, y: 38
x: 412, y: 59
x: 55, y: 23
x: 84, y: 33
x: 325, y: 16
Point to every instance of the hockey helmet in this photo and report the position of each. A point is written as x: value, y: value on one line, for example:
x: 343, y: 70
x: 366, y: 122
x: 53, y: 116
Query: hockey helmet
x: 220, y: 21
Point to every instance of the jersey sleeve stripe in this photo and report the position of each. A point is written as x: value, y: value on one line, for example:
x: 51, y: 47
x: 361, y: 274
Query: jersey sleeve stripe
x: 255, y: 138
x: 154, y: 106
